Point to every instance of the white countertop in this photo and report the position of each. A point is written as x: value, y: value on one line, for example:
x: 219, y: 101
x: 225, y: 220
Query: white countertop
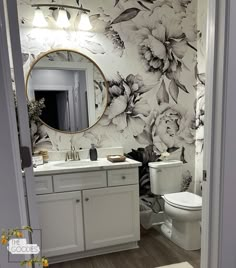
x: 59, y: 167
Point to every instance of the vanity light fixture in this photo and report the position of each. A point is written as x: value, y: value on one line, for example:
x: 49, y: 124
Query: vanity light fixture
x: 39, y: 19
x: 62, y: 19
x: 84, y: 23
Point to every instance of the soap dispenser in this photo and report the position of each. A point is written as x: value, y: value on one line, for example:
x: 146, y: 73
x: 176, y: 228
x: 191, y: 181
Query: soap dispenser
x: 93, y: 153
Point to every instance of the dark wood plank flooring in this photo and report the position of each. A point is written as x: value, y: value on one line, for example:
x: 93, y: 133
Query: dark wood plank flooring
x: 154, y: 250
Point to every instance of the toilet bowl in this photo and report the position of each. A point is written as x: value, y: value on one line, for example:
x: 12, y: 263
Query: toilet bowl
x: 182, y: 209
x: 183, y: 215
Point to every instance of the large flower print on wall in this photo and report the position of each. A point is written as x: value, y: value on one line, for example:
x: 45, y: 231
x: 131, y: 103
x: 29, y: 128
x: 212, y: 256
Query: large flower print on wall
x: 162, y: 39
x: 173, y: 127
x: 200, y: 112
x: 161, y: 43
x: 127, y: 108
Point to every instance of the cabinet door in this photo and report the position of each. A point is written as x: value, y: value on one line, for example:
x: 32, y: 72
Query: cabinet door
x: 60, y: 218
x: 111, y: 216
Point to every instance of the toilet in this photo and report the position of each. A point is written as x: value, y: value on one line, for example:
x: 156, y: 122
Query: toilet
x: 182, y: 209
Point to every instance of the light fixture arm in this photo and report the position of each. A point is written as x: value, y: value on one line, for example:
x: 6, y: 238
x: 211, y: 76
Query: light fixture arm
x: 62, y: 6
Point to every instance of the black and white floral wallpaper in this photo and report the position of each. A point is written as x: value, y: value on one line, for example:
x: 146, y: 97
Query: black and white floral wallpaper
x: 150, y: 52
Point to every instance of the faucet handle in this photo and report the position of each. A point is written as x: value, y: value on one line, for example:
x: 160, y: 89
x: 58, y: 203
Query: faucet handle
x: 67, y: 156
x: 77, y: 156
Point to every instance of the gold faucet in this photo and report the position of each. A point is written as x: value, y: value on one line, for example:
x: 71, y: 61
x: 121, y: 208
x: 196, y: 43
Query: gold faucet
x: 73, y: 155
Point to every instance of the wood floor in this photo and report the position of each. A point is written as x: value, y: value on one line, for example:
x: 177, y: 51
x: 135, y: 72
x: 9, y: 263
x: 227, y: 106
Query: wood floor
x: 154, y: 250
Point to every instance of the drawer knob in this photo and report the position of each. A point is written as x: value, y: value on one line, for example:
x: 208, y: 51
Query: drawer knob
x: 86, y: 199
x: 77, y: 200
x: 123, y: 177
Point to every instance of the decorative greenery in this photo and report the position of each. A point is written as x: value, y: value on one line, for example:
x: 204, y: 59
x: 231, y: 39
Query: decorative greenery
x: 17, y: 233
x: 35, y: 108
x: 144, y: 155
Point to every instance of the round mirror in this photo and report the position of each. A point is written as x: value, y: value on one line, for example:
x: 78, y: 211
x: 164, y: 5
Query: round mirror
x: 73, y: 88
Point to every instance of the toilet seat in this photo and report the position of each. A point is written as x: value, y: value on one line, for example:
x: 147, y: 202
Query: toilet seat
x: 184, y: 200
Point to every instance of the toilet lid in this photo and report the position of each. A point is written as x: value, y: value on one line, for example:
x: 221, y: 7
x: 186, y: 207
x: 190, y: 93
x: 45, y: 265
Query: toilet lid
x: 184, y: 200
x: 163, y: 164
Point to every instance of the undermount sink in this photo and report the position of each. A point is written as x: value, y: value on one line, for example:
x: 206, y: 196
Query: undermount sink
x: 79, y: 163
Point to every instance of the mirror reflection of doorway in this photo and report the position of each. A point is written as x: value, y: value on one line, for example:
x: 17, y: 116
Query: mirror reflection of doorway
x: 65, y: 97
x: 56, y: 112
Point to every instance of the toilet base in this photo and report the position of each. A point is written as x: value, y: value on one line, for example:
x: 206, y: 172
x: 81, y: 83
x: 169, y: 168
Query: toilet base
x: 186, y: 235
x: 166, y: 228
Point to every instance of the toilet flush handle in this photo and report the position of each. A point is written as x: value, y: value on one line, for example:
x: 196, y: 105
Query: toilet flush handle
x: 159, y: 170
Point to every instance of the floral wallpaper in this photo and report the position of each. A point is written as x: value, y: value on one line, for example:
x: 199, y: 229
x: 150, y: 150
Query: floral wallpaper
x: 200, y: 91
x: 148, y: 51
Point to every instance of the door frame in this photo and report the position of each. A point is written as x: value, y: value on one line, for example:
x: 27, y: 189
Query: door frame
x: 11, y: 189
x: 217, y: 38
x: 14, y: 46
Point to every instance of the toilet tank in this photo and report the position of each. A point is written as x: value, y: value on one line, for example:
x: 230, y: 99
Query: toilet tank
x: 165, y: 176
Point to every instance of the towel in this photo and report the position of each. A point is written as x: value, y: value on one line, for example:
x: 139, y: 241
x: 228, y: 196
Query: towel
x: 178, y: 265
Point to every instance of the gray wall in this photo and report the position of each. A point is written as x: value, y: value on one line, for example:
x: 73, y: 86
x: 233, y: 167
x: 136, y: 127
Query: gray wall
x: 9, y: 203
x: 12, y: 214
x: 53, y: 77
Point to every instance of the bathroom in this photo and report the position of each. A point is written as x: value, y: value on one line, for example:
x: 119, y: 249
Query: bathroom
x: 148, y: 62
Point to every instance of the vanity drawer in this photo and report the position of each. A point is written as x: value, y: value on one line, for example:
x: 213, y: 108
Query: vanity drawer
x: 79, y: 181
x: 43, y: 185
x: 122, y: 177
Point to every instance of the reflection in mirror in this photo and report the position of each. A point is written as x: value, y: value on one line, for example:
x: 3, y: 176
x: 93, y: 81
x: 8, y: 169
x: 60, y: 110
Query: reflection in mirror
x: 73, y: 87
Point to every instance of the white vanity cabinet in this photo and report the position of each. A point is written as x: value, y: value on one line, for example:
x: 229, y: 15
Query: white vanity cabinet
x: 61, y: 222
x: 111, y: 216
x: 89, y: 213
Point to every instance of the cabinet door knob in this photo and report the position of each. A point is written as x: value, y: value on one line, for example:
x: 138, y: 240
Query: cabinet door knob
x: 123, y: 177
x: 77, y: 200
x: 86, y: 199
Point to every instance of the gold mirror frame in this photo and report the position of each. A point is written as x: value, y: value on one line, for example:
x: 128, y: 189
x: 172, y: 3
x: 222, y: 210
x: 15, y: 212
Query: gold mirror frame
x: 92, y: 61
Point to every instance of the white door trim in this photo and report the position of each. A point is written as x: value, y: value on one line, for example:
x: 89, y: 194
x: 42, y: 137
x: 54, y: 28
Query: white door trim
x: 9, y: 102
x: 214, y: 125
x: 25, y: 140
x: 12, y: 205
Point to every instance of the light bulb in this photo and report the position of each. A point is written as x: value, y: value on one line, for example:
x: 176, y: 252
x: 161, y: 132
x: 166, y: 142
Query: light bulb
x: 85, y: 23
x: 62, y: 19
x: 39, y: 19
